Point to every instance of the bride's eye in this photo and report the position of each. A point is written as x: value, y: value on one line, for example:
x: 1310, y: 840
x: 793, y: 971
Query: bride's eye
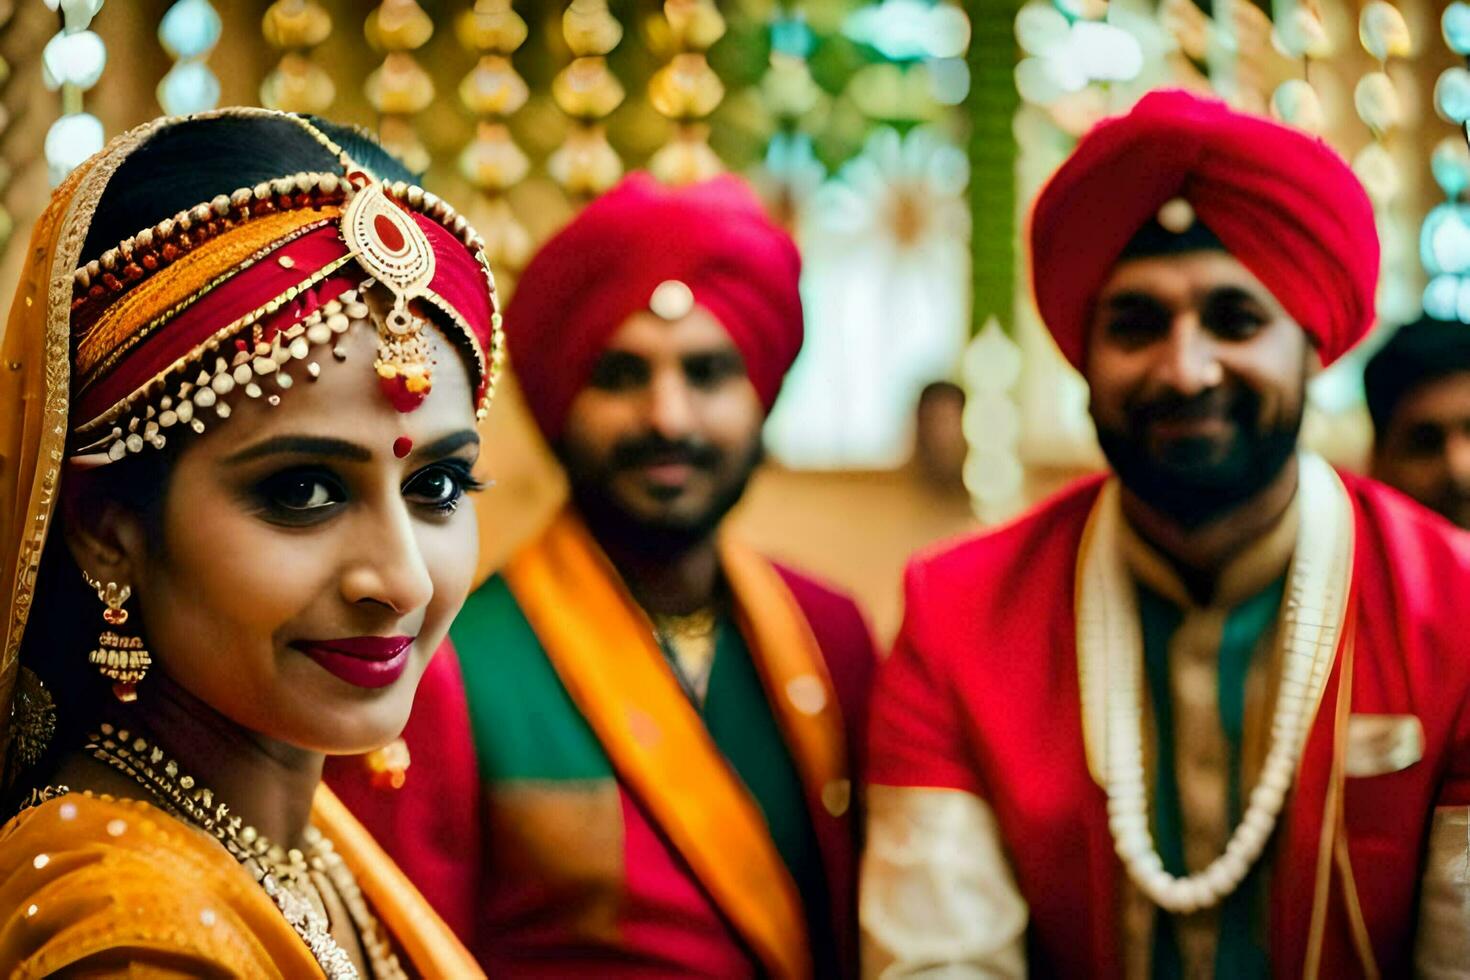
x: 300, y: 495
x: 442, y: 486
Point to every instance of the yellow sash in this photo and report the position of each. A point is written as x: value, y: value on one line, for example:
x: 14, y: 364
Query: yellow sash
x: 794, y: 674
x: 604, y: 650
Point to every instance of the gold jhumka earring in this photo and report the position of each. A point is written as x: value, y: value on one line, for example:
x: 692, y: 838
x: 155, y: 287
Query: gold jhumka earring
x: 121, y: 659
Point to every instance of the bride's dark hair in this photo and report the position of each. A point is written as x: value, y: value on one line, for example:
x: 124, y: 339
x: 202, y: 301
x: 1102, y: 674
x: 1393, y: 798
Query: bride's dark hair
x: 184, y: 165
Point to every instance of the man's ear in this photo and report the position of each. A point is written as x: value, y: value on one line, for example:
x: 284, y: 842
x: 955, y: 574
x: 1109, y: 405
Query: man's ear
x: 107, y: 540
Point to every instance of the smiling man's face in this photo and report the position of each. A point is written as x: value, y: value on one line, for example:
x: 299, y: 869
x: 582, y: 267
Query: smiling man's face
x: 662, y: 440
x: 1198, y: 381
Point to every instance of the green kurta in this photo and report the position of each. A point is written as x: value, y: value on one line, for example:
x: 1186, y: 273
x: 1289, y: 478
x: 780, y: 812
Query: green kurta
x: 541, y: 762
x: 1241, y: 950
x: 739, y: 719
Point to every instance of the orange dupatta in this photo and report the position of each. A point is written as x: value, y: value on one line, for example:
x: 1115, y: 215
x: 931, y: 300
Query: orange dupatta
x: 604, y: 650
x: 122, y: 882
x: 35, y: 388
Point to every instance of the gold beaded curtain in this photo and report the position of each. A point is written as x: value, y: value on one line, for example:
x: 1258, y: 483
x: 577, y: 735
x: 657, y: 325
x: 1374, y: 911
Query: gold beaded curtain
x: 517, y: 110
x: 535, y: 105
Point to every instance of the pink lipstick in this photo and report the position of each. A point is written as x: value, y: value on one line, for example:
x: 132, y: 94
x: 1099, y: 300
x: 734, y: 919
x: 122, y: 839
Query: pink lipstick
x: 366, y: 661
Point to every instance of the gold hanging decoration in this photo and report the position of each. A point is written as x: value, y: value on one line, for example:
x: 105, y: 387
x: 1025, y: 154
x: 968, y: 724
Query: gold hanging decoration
x: 686, y: 91
x: 492, y: 162
x: 399, y: 88
x: 7, y: 223
x: 297, y: 84
x: 587, y: 91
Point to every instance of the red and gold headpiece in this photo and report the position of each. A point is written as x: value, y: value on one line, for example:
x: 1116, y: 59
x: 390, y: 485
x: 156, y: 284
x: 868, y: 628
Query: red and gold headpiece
x: 258, y: 283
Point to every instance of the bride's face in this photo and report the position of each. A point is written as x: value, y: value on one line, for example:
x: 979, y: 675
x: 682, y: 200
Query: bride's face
x: 313, y: 554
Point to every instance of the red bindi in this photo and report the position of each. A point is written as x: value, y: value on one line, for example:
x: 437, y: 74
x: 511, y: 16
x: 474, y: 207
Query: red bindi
x: 402, y: 446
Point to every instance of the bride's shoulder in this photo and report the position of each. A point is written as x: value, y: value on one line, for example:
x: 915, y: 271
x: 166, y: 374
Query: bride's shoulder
x: 94, y: 827
x: 89, y: 877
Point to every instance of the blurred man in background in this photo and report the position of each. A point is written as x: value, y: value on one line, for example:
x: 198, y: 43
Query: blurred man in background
x: 1418, y: 387
x: 940, y: 448
x: 665, y: 722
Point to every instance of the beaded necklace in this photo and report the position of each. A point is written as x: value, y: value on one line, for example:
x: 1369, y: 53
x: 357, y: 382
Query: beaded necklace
x: 1110, y: 655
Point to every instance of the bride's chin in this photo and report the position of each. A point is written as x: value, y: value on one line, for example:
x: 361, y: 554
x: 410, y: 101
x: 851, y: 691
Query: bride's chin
x: 356, y: 728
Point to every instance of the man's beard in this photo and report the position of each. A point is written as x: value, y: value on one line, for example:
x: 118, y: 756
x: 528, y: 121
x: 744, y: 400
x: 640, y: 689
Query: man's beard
x: 662, y: 536
x: 1190, y: 487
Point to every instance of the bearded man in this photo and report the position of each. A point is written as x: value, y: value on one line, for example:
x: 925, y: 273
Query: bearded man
x: 663, y: 720
x: 1205, y: 716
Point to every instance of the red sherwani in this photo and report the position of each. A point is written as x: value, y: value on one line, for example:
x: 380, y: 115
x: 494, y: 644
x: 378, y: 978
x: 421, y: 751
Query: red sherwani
x: 981, y: 695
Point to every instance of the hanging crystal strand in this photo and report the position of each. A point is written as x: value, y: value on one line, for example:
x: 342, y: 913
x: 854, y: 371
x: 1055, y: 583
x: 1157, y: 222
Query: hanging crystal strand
x: 1384, y: 34
x: 1454, y: 25
x: 1300, y: 34
x: 72, y: 61
x: 1446, y: 266
x: 188, y: 32
x: 994, y: 473
x: 400, y: 88
x: 297, y: 84
x: 492, y: 161
x: 585, y: 164
x: 686, y: 91
x: 790, y: 172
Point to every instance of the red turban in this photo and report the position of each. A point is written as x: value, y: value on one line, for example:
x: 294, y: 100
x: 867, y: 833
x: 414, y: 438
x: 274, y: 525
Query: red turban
x: 605, y: 265
x: 1280, y: 201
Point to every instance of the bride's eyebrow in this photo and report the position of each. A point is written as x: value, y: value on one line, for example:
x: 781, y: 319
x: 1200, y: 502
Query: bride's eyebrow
x: 448, y: 445
x: 303, y: 445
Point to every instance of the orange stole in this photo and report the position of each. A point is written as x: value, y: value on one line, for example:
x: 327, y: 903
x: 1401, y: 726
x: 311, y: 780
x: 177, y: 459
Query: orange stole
x: 794, y: 674
x: 604, y: 650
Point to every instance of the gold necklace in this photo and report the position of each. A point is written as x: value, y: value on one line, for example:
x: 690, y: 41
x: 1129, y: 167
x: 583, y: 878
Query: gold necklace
x: 328, y: 868
x: 696, y: 625
x: 689, y: 640
x: 284, y: 874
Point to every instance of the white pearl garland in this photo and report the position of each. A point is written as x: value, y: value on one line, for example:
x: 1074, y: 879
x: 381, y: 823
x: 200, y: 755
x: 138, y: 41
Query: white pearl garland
x: 1110, y: 662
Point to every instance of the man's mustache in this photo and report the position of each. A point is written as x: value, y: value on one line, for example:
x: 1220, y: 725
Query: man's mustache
x: 653, y: 450
x: 1170, y: 407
